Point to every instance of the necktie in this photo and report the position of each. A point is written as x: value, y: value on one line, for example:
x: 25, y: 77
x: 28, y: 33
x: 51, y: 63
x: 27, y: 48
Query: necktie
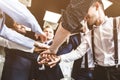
x: 86, y: 61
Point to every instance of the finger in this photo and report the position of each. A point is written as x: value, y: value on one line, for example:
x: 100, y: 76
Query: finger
x: 42, y: 61
x: 46, y: 51
x: 51, y: 58
x: 51, y: 66
x: 54, y: 57
x: 44, y: 55
x: 52, y: 62
x: 39, y: 50
x: 43, y: 37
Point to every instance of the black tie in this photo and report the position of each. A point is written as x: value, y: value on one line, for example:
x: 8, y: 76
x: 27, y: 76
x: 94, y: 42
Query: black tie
x: 86, y: 61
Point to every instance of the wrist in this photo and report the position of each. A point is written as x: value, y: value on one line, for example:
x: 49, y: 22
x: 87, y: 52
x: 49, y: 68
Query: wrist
x: 38, y: 58
x: 53, y: 50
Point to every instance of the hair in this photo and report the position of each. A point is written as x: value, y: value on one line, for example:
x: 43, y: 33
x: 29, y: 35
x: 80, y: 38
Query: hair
x: 47, y: 27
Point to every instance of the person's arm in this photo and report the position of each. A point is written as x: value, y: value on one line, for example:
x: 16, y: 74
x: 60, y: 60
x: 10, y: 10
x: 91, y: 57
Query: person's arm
x: 11, y: 45
x: 19, y: 13
x: 68, y: 57
x: 84, y: 46
x: 16, y: 37
x: 59, y: 38
x: 72, y: 43
x: 20, y: 39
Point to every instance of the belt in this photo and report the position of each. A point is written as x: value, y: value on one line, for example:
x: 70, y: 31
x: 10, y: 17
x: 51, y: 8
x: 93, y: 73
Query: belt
x: 108, y: 67
x: 90, y: 69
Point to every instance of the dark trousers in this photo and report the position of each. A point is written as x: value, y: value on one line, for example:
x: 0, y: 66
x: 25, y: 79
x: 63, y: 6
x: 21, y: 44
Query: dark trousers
x: 107, y: 73
x: 85, y: 74
x: 16, y: 67
x: 54, y: 73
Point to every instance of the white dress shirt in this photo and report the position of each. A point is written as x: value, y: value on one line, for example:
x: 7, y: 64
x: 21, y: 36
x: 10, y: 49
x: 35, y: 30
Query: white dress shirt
x: 104, y: 44
x: 12, y: 45
x: 89, y: 56
x: 16, y: 37
x: 18, y: 12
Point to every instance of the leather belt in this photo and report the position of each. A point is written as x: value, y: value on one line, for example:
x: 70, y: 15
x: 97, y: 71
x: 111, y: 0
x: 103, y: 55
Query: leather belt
x: 90, y: 69
x: 108, y: 67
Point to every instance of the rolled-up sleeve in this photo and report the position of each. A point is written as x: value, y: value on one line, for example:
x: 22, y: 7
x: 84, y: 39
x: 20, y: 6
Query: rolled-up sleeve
x: 20, y: 14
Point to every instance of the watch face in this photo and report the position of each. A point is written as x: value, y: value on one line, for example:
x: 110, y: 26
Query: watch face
x: 27, y: 3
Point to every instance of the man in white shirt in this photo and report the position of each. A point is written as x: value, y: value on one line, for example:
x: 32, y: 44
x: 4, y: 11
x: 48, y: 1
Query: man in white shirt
x: 70, y: 22
x: 107, y: 68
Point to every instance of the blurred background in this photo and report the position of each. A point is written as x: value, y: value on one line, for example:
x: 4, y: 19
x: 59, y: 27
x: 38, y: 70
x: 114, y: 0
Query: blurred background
x: 39, y: 8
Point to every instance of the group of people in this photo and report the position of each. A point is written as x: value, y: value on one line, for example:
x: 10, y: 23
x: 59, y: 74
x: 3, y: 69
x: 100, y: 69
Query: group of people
x: 102, y: 39
x: 95, y: 52
x: 21, y: 65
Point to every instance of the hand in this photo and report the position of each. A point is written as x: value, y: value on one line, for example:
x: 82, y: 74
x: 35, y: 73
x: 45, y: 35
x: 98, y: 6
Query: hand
x: 48, y: 51
x: 49, y: 59
x: 39, y: 50
x: 45, y: 56
x: 42, y: 37
x: 53, y: 61
x: 41, y: 45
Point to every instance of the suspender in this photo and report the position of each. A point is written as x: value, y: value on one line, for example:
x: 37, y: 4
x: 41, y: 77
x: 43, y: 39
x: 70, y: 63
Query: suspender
x: 115, y: 43
x: 115, y: 36
x: 92, y: 41
x: 86, y: 60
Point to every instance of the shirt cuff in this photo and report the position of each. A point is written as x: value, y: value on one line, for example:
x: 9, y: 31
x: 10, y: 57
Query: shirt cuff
x: 38, y: 59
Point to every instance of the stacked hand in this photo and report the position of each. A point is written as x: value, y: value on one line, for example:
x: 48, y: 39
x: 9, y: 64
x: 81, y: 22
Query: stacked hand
x: 48, y: 58
x: 40, y: 47
x: 41, y: 36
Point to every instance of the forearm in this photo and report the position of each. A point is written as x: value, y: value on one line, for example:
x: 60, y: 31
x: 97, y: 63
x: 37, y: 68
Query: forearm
x: 16, y: 37
x: 59, y: 38
x: 77, y: 53
x: 73, y: 55
x: 20, y: 14
x: 12, y: 45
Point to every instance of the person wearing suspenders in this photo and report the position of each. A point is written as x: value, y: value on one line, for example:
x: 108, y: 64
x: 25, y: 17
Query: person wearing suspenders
x: 106, y: 42
x: 83, y: 68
